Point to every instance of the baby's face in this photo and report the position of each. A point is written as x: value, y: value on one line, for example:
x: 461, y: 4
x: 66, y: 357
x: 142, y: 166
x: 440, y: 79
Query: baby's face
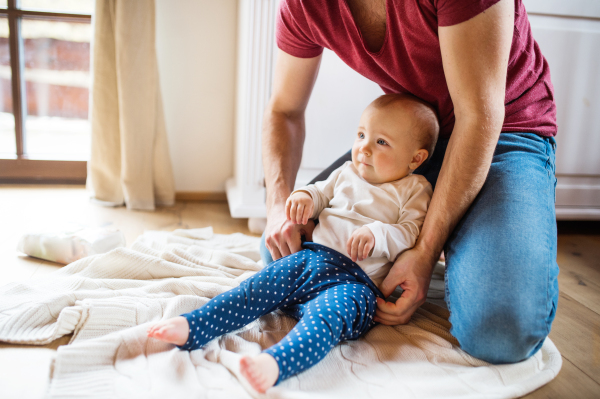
x: 383, y: 148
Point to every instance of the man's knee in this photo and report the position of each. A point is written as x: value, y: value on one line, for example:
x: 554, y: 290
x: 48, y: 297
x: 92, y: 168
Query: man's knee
x: 500, y: 314
x: 502, y: 294
x: 500, y: 335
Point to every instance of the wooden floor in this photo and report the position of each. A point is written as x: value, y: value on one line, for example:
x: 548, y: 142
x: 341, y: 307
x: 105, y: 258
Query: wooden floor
x: 24, y: 370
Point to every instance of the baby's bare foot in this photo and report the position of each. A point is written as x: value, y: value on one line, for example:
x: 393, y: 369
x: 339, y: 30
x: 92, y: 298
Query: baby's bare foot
x: 174, y: 331
x: 261, y: 371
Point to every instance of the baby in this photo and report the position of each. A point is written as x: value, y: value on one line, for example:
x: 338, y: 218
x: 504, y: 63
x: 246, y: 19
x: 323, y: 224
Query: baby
x: 371, y: 208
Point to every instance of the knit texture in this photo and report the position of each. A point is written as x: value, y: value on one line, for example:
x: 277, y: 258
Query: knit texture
x: 107, y: 301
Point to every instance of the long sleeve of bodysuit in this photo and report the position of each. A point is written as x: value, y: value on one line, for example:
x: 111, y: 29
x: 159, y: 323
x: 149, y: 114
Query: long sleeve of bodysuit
x: 392, y: 239
x: 322, y: 192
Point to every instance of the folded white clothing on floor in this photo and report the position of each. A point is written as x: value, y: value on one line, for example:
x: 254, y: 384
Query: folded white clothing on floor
x: 70, y: 244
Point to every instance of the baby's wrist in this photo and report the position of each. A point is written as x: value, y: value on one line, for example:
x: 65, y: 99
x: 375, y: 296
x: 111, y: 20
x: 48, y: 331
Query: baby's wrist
x: 302, y: 193
x: 368, y: 232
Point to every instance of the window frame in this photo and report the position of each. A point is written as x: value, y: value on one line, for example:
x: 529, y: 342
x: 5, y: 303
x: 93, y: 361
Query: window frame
x: 22, y: 169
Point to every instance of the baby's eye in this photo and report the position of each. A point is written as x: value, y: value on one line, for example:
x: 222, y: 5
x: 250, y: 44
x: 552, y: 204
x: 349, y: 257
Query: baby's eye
x: 381, y: 141
x: 361, y: 135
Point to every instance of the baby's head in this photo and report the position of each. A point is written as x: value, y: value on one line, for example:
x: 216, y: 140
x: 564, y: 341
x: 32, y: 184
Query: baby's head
x: 396, y: 134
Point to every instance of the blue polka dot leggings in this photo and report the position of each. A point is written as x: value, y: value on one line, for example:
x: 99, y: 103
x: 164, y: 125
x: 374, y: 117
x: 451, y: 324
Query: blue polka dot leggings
x: 331, y: 297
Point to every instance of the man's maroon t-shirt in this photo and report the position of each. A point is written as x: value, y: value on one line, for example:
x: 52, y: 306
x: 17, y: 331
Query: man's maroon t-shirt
x: 410, y: 60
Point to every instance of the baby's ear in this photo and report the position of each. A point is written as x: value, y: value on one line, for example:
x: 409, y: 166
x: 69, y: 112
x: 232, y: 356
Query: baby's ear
x: 419, y: 157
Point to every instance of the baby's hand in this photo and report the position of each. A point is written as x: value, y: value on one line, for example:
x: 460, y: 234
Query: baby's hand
x: 299, y: 207
x: 360, y: 244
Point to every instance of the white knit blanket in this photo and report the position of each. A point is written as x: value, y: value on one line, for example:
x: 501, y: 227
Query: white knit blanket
x: 107, y: 302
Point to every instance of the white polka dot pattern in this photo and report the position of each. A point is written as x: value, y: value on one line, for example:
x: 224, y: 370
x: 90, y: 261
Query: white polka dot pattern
x: 331, y: 297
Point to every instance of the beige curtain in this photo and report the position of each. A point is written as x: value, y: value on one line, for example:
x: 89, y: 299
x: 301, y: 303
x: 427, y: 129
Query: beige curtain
x: 130, y: 160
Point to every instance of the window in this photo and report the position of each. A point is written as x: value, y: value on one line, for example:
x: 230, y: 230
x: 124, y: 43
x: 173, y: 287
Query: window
x: 44, y: 90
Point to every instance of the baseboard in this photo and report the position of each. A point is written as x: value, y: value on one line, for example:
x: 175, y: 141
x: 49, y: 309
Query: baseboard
x: 574, y: 213
x: 200, y: 196
x: 34, y: 171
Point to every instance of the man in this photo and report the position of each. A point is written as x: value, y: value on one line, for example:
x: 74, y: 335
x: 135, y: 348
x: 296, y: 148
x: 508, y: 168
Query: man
x: 492, y: 209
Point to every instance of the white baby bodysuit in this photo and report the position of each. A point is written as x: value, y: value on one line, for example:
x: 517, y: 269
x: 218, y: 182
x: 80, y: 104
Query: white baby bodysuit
x: 393, y: 211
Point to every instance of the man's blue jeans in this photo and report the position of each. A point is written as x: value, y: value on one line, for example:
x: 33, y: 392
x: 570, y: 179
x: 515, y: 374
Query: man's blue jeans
x: 501, y: 271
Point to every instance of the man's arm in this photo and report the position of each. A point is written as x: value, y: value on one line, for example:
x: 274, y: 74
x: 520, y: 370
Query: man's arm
x: 283, y: 139
x: 475, y: 56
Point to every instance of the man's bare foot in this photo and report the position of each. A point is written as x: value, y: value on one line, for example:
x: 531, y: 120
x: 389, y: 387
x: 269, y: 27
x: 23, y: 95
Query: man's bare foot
x: 174, y: 331
x: 261, y: 371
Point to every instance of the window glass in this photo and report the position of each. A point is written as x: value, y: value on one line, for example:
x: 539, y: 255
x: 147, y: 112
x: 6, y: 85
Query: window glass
x: 57, y: 80
x: 73, y: 6
x: 3, y: 3
x: 8, y: 146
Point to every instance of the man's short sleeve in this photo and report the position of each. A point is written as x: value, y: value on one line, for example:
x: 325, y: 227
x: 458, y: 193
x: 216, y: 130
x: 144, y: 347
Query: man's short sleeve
x: 292, y: 31
x: 453, y: 12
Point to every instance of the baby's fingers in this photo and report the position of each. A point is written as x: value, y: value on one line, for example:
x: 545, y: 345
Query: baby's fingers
x: 349, y: 246
x: 360, y: 249
x: 293, y: 210
x: 367, y: 248
x: 299, y: 213
x: 288, y: 206
x: 354, y: 249
x: 308, y: 210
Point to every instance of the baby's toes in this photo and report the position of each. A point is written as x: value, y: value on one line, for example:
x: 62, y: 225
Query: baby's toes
x: 245, y: 368
x: 252, y: 369
x: 164, y: 331
x: 157, y: 333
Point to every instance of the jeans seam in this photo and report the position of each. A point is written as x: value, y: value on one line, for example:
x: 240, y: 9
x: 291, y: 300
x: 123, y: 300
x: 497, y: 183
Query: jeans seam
x: 550, y: 148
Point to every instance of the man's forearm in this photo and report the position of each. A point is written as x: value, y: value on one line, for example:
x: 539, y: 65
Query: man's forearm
x: 463, y: 173
x: 282, y: 142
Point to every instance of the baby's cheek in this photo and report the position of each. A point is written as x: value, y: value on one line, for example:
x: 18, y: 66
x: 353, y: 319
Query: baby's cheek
x: 395, y: 170
x: 354, y: 153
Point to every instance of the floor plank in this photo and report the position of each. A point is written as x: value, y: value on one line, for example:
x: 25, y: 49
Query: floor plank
x: 576, y: 333
x: 570, y: 383
x: 579, y: 261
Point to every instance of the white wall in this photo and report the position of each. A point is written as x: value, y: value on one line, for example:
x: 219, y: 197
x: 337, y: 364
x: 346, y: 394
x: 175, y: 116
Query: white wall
x: 196, y: 46
x: 338, y: 99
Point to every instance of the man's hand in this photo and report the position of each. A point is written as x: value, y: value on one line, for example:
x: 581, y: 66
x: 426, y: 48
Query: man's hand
x: 299, y: 207
x: 360, y: 244
x: 412, y: 272
x: 282, y: 237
